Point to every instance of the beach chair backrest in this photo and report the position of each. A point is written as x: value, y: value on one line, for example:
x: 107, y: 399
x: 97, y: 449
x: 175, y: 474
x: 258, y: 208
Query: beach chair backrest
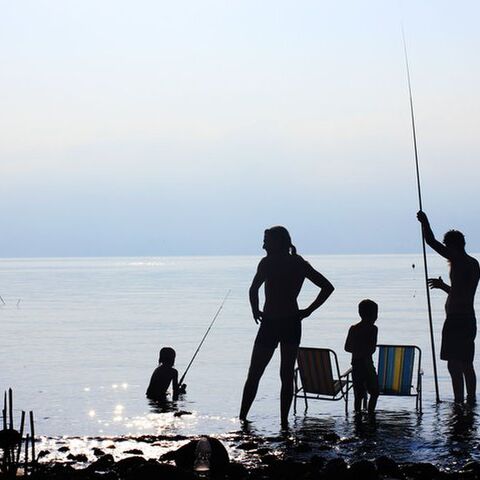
x: 395, y: 369
x: 315, y: 367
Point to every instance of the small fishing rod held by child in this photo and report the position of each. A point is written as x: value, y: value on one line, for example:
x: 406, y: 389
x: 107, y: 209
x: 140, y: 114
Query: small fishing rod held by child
x: 204, y: 337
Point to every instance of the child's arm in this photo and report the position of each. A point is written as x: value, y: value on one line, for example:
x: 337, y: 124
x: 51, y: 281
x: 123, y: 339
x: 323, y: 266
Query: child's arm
x: 175, y: 387
x: 373, y: 345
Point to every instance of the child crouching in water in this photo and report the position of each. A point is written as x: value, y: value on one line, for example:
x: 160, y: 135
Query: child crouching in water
x: 163, y: 375
x: 362, y: 343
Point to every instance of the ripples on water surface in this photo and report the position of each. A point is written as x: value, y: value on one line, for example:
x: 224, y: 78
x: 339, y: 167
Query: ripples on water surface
x: 80, y: 338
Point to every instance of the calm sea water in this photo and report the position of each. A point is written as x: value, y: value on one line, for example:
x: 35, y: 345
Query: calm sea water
x: 80, y: 338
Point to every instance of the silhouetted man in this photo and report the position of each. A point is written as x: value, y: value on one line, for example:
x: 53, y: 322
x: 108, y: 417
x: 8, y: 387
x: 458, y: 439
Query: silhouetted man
x: 460, y: 327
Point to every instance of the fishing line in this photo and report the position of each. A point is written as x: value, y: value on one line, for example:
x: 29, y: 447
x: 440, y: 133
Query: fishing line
x: 204, y: 336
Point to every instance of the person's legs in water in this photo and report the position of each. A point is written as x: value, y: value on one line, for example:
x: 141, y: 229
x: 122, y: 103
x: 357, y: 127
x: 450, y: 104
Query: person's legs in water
x: 455, y: 368
x: 359, y: 385
x: 470, y: 382
x: 288, y: 353
x: 372, y: 387
x: 261, y: 356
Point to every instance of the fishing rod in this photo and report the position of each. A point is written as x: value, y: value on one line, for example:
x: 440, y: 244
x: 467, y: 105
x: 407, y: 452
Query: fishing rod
x: 204, y: 337
x: 420, y: 204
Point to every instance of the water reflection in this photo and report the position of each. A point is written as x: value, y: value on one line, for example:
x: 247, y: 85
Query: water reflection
x: 162, y: 406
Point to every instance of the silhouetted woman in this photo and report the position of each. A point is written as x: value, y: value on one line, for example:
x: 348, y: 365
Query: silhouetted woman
x: 283, y: 272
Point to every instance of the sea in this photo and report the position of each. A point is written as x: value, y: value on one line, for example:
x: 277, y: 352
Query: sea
x: 80, y: 338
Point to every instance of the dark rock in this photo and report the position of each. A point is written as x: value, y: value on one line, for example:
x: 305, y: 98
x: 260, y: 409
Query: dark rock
x: 287, y: 470
x: 302, y: 447
x: 43, y: 453
x: 181, y: 412
x: 387, y: 466
x: 129, y: 464
x: 55, y: 471
x: 269, y: 459
x: 81, y: 457
x: 317, y: 462
x: 420, y: 471
x: 335, y: 468
x: 263, y: 451
x: 134, y: 451
x: 153, y: 470
x: 98, y: 452
x: 248, y: 446
x: 103, y: 464
x: 472, y: 466
x: 331, y: 437
x: 63, y: 449
x: 363, y: 469
x: 237, y: 471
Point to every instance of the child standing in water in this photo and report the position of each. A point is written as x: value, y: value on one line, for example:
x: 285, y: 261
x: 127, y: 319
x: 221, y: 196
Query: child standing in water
x: 361, y: 343
x: 163, y: 375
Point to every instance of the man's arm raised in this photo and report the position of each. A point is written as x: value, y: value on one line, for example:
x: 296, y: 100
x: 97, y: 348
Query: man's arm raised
x: 440, y: 248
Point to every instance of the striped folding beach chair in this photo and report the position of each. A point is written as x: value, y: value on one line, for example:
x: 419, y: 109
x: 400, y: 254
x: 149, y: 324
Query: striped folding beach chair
x: 320, y: 377
x: 396, y: 366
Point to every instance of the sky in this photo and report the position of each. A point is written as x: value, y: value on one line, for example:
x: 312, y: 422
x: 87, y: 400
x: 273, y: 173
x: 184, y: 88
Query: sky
x: 150, y: 127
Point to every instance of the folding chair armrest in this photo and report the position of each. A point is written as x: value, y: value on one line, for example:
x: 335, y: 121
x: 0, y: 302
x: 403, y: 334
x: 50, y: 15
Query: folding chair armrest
x: 347, y: 373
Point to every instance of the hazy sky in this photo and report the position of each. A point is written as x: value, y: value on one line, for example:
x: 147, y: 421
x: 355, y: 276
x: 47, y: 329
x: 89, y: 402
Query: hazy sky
x: 187, y: 127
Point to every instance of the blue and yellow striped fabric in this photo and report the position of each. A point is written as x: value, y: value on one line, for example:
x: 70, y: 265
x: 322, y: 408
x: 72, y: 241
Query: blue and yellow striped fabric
x: 395, y: 368
x: 315, y: 369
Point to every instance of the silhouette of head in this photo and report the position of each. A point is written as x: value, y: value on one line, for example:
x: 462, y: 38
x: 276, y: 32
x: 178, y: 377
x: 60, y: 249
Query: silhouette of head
x: 278, y: 240
x: 454, y: 239
x: 167, y: 356
x: 368, y: 310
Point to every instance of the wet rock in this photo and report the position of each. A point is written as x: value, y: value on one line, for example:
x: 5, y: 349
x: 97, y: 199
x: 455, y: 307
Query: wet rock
x: 269, y: 459
x: 134, y: 451
x: 335, y: 468
x: 127, y: 465
x: 103, y: 464
x: 331, y: 437
x: 153, y: 470
x: 420, y: 471
x: 287, y: 470
x: 98, y: 452
x: 63, y: 449
x: 363, y: 469
x: 302, y: 447
x: 317, y: 462
x: 263, y: 451
x: 237, y: 471
x: 472, y: 466
x: 181, y: 413
x: 55, y: 471
x: 81, y: 457
x: 387, y: 466
x: 248, y: 446
x: 43, y: 453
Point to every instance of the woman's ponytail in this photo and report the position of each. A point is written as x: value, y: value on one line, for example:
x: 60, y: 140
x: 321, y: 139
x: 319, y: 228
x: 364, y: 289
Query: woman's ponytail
x: 293, y: 249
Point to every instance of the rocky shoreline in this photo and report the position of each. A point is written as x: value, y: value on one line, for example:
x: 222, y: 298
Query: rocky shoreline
x: 249, y: 460
x: 138, y: 468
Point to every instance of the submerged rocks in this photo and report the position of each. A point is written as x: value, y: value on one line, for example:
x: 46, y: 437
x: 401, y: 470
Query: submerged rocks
x: 363, y: 469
